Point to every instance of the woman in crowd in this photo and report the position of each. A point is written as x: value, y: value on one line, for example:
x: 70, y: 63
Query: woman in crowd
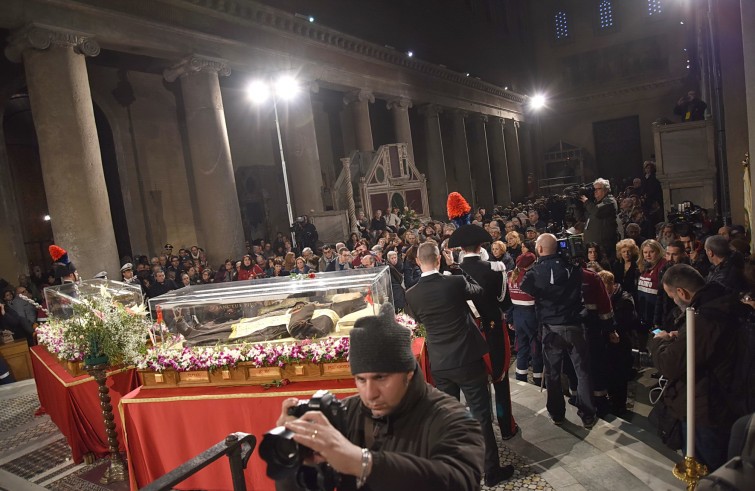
x: 206, y: 277
x: 193, y: 275
x: 619, y: 354
x: 525, y: 323
x: 270, y: 266
x: 498, y: 253
x: 412, y: 272
x: 513, y: 244
x: 246, y: 271
x: 351, y: 244
x: 625, y: 270
x: 289, y: 262
x: 429, y: 233
x: 650, y: 263
x: 226, y: 273
x: 595, y: 255
x: 301, y: 266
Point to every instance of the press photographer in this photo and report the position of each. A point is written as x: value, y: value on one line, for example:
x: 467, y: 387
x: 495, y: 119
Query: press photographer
x: 398, y: 433
x: 305, y: 232
x: 601, y: 224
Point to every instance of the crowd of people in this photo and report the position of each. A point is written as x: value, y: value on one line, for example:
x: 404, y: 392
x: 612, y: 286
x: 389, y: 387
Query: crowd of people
x: 581, y: 316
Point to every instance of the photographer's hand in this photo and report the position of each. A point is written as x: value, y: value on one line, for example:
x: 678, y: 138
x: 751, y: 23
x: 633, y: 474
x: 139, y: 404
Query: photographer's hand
x: 284, y: 417
x: 313, y: 430
x: 583, y: 198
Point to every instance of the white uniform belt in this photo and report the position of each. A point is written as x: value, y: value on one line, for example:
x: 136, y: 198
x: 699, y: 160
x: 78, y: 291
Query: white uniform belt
x: 522, y: 302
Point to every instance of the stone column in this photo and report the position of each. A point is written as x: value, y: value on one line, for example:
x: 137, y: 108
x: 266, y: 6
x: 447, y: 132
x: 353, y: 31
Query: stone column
x: 301, y: 154
x: 400, y: 109
x: 479, y: 161
x: 436, y: 168
x: 499, y: 168
x: 529, y: 156
x: 517, y: 176
x: 13, y: 258
x: 220, y: 230
x: 460, y: 155
x: 748, y: 46
x: 61, y: 103
x: 358, y: 101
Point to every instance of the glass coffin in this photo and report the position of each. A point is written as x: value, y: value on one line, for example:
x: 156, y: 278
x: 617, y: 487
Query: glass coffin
x: 60, y: 298
x: 271, y: 309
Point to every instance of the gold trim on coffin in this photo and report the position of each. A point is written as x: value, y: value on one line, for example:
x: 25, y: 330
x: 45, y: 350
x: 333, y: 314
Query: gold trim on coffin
x: 232, y: 396
x: 77, y: 382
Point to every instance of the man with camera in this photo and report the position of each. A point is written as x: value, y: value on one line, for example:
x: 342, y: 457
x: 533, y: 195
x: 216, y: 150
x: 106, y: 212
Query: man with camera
x: 398, y: 433
x: 305, y: 232
x: 601, y: 222
x: 556, y: 286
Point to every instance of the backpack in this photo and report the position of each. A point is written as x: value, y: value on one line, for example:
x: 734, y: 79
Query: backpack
x: 738, y: 474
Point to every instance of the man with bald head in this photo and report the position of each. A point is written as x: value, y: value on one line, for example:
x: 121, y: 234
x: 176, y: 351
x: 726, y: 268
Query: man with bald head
x: 556, y: 286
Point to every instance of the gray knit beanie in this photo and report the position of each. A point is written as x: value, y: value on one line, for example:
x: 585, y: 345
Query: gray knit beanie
x: 379, y: 344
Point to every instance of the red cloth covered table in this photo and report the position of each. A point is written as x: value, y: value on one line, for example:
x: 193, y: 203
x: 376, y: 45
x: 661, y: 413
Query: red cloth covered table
x: 166, y: 427
x: 73, y: 403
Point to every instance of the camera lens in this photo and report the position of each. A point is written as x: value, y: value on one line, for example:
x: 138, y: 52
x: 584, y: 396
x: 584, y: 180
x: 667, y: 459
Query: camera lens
x: 281, y: 453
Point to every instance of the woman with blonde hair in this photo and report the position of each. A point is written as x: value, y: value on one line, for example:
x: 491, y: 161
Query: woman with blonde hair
x: 514, y: 244
x: 625, y: 270
x: 498, y: 253
x: 650, y: 263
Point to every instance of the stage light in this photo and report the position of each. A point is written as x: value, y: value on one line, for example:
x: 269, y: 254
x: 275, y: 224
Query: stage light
x: 258, y: 91
x: 46, y: 218
x: 537, y: 101
x: 286, y: 87
x: 410, y: 53
x: 311, y: 19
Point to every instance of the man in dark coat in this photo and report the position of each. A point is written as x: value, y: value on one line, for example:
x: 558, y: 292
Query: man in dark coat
x: 690, y: 108
x: 601, y: 224
x: 399, y: 433
x: 490, y: 307
x: 715, y: 309
x: 455, y: 344
x: 727, y: 265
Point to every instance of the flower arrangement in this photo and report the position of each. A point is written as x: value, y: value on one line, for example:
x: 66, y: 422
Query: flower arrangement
x: 99, y: 329
x: 182, y: 359
x: 417, y: 329
x: 409, y: 219
x: 303, y: 276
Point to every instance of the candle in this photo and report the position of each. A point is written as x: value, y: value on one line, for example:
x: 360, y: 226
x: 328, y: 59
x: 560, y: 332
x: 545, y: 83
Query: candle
x: 690, y: 382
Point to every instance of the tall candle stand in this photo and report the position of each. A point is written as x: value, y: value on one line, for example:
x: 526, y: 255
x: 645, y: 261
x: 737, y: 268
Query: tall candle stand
x: 690, y: 470
x: 116, y: 471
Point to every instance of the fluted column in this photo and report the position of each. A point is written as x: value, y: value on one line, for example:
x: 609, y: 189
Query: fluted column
x: 498, y: 164
x: 437, y: 188
x: 61, y: 103
x: 220, y: 230
x: 514, y: 159
x: 479, y: 160
x: 459, y: 158
x: 400, y: 110
x: 301, y: 153
x: 358, y: 101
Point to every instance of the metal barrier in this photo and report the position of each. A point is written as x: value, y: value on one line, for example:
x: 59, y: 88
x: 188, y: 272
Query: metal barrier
x: 237, y: 446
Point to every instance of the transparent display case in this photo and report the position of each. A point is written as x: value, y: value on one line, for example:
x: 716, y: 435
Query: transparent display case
x: 273, y: 309
x: 61, y: 297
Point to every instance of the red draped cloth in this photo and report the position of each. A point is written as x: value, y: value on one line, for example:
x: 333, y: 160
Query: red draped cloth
x: 73, y: 403
x: 166, y: 427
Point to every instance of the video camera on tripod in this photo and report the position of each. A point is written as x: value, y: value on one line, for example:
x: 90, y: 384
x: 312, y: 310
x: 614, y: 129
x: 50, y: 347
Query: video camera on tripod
x: 572, y: 248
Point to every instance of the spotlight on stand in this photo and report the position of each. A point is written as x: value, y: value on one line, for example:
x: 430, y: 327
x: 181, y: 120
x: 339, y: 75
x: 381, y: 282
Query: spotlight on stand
x: 258, y: 91
x: 286, y: 87
x: 537, y: 102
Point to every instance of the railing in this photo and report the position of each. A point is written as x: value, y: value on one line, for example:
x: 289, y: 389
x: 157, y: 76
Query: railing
x: 237, y: 446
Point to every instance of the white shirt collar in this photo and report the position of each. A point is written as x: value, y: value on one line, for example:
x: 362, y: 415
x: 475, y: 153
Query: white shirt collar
x: 428, y: 273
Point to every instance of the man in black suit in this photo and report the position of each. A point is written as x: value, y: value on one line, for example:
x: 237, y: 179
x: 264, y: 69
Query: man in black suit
x: 490, y: 306
x: 455, y: 345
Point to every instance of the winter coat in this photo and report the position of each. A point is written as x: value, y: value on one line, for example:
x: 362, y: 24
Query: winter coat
x: 430, y: 442
x: 730, y: 273
x: 716, y: 308
x: 601, y: 227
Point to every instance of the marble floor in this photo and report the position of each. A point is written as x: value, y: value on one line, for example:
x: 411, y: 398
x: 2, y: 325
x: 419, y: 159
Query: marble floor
x: 617, y: 454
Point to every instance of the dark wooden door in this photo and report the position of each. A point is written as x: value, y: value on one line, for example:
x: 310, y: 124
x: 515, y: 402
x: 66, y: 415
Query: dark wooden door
x: 618, y: 150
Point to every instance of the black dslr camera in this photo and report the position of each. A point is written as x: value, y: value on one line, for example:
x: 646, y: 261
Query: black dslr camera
x: 284, y: 457
x: 572, y: 248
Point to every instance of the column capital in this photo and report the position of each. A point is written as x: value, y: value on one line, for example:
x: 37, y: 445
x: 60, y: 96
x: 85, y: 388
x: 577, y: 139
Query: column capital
x: 458, y: 113
x: 399, y: 103
x: 430, y: 110
x: 360, y: 95
x: 482, y: 118
x: 195, y: 64
x: 41, y: 37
